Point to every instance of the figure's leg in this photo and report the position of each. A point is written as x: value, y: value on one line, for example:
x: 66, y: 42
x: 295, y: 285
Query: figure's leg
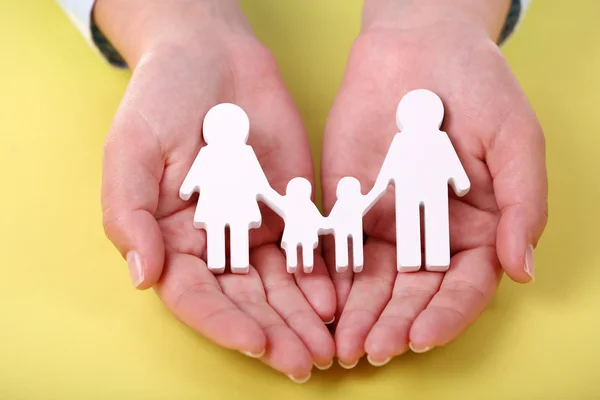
x: 291, y: 256
x: 239, y: 249
x: 308, y: 256
x: 408, y: 234
x: 357, y: 250
x: 341, y: 252
x: 215, y: 248
x: 437, y: 235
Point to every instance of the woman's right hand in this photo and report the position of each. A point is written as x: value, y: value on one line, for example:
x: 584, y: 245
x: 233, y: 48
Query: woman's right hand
x: 188, y: 56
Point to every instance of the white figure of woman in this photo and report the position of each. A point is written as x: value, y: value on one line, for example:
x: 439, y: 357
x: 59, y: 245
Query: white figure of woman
x: 303, y: 222
x: 230, y: 180
x: 421, y: 162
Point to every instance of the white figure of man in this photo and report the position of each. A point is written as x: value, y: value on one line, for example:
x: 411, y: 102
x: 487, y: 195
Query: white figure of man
x: 421, y: 162
x: 303, y: 222
x: 230, y: 180
x: 345, y: 221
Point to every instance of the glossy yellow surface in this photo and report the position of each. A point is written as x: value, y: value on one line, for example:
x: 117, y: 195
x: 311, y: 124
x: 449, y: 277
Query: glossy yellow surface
x: 72, y: 327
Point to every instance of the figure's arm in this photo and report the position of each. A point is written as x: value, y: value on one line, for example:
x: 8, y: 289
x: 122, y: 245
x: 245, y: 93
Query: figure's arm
x: 265, y: 192
x: 379, y: 189
x: 193, y: 179
x: 325, y: 223
x: 384, y: 178
x: 458, y: 178
x: 370, y: 199
x: 274, y: 200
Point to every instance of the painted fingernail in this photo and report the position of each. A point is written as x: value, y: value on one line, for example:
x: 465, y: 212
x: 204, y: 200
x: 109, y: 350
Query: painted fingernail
x: 136, y: 269
x: 378, y: 363
x: 529, y: 265
x: 300, y: 380
x: 417, y: 350
x: 331, y: 321
x: 254, y: 355
x: 348, y: 366
x: 324, y: 367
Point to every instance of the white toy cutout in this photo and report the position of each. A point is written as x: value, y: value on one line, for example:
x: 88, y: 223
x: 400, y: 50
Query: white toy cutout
x: 345, y: 221
x: 303, y: 222
x: 230, y: 180
x: 421, y: 162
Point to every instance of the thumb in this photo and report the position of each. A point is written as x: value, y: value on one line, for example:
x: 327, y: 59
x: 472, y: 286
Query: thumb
x: 132, y: 169
x: 518, y: 167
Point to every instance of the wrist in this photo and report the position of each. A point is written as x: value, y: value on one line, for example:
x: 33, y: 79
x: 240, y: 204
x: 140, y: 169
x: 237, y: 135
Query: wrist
x: 488, y: 16
x: 135, y: 27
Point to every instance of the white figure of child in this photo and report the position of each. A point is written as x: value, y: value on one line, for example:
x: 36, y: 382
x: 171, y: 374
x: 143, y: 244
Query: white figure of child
x: 421, y: 162
x: 230, y: 180
x: 303, y: 222
x: 345, y: 221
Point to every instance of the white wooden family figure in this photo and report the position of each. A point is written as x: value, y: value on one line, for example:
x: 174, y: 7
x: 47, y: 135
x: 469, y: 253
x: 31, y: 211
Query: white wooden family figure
x: 421, y: 163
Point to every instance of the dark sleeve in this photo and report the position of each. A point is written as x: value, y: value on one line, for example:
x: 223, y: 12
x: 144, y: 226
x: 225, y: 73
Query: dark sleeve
x: 513, y: 19
x: 106, y: 48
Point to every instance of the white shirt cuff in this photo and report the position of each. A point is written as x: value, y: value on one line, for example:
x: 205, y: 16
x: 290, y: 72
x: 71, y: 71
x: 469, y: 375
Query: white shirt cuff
x: 80, y: 14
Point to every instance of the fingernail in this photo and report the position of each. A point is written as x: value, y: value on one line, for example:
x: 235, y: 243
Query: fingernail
x: 324, y: 367
x: 300, y: 380
x: 529, y: 265
x: 415, y: 350
x: 254, y: 355
x: 136, y: 269
x: 378, y: 363
x: 347, y: 366
x: 330, y: 322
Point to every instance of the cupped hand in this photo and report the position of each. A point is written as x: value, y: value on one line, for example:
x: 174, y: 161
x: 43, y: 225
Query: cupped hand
x: 155, y: 137
x: 492, y: 229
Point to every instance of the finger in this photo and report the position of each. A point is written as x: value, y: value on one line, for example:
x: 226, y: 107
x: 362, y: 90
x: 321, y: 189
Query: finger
x: 194, y: 296
x: 342, y: 281
x: 286, y: 298
x: 132, y: 170
x: 390, y: 335
x: 371, y: 291
x: 281, y: 144
x: 466, y: 290
x: 348, y: 151
x: 318, y: 289
x: 285, y: 351
x: 518, y: 167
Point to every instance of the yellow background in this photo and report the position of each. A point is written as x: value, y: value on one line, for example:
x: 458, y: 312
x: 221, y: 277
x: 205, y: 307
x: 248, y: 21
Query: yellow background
x: 72, y: 327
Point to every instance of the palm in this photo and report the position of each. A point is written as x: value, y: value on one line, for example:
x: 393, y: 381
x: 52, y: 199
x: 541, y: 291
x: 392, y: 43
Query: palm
x: 383, y: 311
x: 158, y: 132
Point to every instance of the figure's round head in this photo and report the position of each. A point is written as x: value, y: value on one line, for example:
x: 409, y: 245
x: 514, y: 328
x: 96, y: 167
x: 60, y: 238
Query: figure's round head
x: 226, y: 123
x: 348, y: 186
x: 299, y: 187
x: 420, y: 108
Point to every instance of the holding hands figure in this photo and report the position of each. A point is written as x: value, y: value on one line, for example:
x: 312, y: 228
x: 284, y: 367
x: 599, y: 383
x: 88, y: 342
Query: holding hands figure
x: 420, y: 162
x: 187, y: 56
x: 303, y: 222
x: 345, y: 221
